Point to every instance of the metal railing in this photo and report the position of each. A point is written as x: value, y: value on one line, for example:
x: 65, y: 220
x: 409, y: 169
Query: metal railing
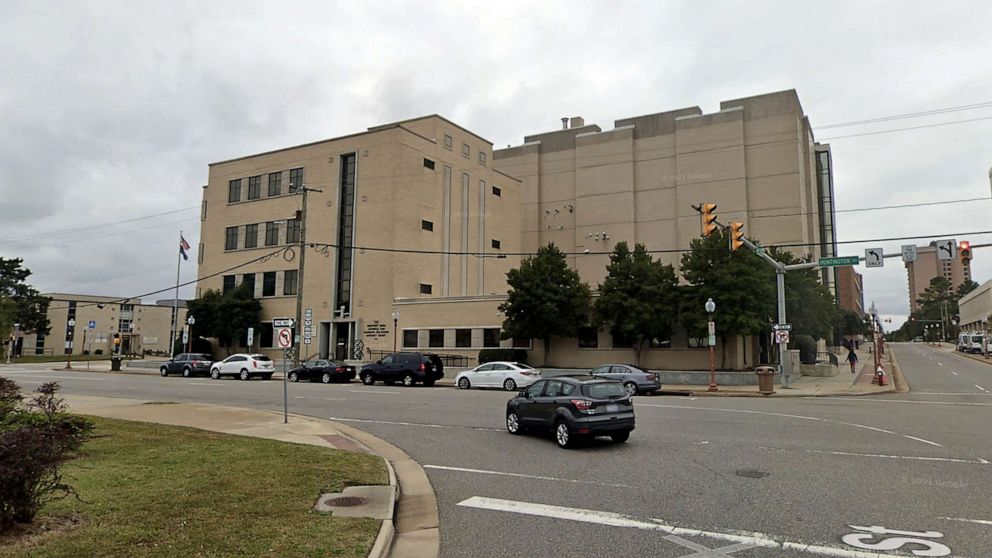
x: 446, y: 360
x: 827, y: 358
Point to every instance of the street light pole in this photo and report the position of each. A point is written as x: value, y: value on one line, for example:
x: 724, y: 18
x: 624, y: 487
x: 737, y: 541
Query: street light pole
x: 710, y: 308
x: 13, y: 341
x: 68, y: 354
x: 189, y: 333
x: 396, y: 321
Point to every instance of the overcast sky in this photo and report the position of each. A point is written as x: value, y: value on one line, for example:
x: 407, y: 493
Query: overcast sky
x: 112, y: 110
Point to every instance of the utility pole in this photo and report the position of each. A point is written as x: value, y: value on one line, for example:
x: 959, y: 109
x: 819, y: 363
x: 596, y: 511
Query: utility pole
x: 298, y: 322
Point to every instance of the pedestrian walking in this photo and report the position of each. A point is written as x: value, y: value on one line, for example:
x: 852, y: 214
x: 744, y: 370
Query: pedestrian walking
x: 852, y: 358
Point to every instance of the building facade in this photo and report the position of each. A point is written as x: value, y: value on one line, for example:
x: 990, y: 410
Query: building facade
x: 585, y: 189
x: 142, y: 328
x: 975, y: 308
x: 927, y: 266
x: 850, y: 290
x: 404, y: 214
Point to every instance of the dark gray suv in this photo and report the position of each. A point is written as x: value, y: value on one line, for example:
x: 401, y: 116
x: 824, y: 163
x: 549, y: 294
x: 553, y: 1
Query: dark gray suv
x: 406, y: 368
x: 187, y: 364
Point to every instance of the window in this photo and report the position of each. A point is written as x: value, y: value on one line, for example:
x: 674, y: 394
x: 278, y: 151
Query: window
x: 428, y: 164
x: 228, y: 283
x: 388, y: 359
x: 496, y: 244
x: 203, y: 210
x: 463, y: 337
x: 290, y: 281
x: 497, y: 192
x: 588, y: 337
x: 482, y: 157
x: 295, y: 180
x: 269, y: 283
x: 425, y: 288
x: 254, y: 187
x: 265, y: 335
x: 271, y: 234
x: 490, y: 337
x: 199, y: 254
x: 435, y: 338
x: 466, y: 150
x: 410, y: 338
x: 448, y: 141
x: 275, y: 183
x: 554, y: 389
x: 426, y: 225
x: 234, y: 191
x: 248, y: 281
x: 251, y: 235
x: 698, y: 342
x: 231, y: 238
x: 535, y: 389
x: 293, y: 231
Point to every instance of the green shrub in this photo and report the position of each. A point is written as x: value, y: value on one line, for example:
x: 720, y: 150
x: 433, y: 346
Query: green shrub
x: 509, y: 355
x: 98, y: 352
x: 807, y: 348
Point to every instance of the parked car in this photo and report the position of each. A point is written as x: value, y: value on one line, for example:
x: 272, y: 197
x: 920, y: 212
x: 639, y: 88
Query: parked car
x: 573, y: 407
x: 407, y: 368
x: 326, y: 371
x: 187, y: 364
x: 971, y: 343
x: 507, y: 375
x: 634, y: 379
x: 244, y: 366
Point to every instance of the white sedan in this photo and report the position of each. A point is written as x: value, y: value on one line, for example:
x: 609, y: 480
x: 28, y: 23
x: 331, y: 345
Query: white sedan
x: 507, y: 375
x: 243, y: 366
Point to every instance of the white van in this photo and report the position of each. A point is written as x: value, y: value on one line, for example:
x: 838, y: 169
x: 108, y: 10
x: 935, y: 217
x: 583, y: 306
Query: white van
x: 970, y: 342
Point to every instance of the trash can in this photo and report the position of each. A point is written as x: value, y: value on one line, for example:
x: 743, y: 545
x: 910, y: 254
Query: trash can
x: 115, y: 364
x: 766, y: 379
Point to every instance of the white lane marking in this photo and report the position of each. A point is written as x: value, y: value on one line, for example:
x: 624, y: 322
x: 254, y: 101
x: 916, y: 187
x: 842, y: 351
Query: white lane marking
x: 49, y: 377
x: 977, y: 461
x: 619, y: 520
x: 803, y: 417
x: 953, y: 372
x: 867, y: 399
x: 334, y: 399
x: 978, y: 521
x: 215, y: 384
x: 373, y: 391
x: 940, y: 364
x: 299, y: 397
x: 521, y: 475
x: 980, y: 387
x: 419, y: 424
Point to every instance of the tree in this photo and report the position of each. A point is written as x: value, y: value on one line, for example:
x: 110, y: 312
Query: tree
x: 809, y: 305
x: 637, y: 300
x: 741, y: 285
x: 546, y: 298
x: 851, y: 323
x: 226, y: 316
x: 20, y: 303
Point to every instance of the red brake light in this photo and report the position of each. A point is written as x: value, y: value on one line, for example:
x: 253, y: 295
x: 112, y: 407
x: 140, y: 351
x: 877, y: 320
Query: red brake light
x: 339, y: 369
x: 651, y: 377
x: 422, y: 367
x: 581, y: 404
x: 254, y: 363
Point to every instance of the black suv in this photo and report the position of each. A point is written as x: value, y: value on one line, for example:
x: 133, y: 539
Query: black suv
x: 188, y: 364
x: 408, y: 368
x: 573, y: 407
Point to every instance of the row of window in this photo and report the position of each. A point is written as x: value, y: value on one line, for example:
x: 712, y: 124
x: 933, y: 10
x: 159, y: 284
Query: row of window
x: 449, y: 144
x: 254, y: 185
x: 290, y: 282
x: 232, y: 235
x: 497, y: 191
x: 429, y: 226
x: 461, y: 337
x: 588, y: 338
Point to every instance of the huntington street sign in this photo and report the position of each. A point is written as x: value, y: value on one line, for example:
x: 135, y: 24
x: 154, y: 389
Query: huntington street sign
x: 839, y: 261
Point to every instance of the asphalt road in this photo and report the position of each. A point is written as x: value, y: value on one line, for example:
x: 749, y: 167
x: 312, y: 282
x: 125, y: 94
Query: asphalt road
x: 701, y: 477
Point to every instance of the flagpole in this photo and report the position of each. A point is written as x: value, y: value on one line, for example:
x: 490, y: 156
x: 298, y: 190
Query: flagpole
x: 175, y: 301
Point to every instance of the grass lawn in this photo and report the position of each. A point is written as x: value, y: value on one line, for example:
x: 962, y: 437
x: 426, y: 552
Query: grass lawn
x: 154, y: 490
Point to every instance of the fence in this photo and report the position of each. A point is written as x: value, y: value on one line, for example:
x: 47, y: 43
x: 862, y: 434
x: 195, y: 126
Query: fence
x: 827, y: 358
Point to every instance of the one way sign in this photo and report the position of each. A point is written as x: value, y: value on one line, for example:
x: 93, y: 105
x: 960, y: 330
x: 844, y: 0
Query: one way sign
x: 946, y: 249
x: 874, y: 257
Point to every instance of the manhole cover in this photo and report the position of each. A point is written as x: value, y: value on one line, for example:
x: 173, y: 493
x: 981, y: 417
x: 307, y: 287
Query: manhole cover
x: 345, y: 501
x: 751, y: 473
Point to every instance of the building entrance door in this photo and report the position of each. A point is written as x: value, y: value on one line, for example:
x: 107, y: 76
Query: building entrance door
x: 342, y: 341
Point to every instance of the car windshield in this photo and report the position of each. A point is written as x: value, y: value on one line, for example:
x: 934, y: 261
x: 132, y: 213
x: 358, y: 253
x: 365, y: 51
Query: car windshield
x: 976, y: 338
x: 603, y: 390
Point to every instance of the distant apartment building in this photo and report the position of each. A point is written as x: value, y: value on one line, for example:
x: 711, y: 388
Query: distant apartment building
x: 850, y: 290
x: 927, y: 266
x: 585, y: 189
x: 142, y: 328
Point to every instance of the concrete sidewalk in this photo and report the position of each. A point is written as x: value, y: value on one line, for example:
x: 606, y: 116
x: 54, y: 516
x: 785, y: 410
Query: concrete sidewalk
x: 411, y: 530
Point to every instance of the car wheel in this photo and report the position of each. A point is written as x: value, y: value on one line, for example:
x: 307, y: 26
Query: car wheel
x: 620, y: 437
x: 631, y: 388
x: 326, y: 378
x: 408, y: 380
x: 187, y: 372
x: 215, y: 374
x: 367, y: 379
x: 463, y: 383
x: 163, y: 371
x: 245, y: 375
x: 512, y: 423
x: 562, y: 436
x: 294, y: 377
x: 509, y: 384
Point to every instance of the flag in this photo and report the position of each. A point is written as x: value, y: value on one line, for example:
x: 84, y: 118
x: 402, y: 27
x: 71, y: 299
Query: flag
x: 183, y: 246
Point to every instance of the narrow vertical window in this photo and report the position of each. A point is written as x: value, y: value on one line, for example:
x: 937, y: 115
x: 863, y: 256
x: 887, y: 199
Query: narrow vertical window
x: 251, y: 235
x: 234, y: 191
x: 254, y: 187
x: 295, y: 180
x: 231, y: 238
x: 275, y: 184
x: 290, y: 282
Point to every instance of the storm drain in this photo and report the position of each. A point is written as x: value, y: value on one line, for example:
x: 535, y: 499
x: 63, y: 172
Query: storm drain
x: 751, y: 473
x: 345, y: 501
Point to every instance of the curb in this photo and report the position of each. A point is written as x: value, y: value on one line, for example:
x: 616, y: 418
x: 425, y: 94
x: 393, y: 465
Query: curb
x: 901, y: 385
x: 384, y: 540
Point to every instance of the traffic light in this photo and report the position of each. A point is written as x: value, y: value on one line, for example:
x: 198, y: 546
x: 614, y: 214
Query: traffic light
x: 736, y: 235
x: 964, y: 251
x: 709, y: 216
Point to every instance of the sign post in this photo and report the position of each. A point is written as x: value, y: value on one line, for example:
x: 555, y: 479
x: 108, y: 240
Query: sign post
x: 283, y: 333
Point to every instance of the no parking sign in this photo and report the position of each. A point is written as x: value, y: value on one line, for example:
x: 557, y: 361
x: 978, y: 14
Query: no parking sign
x: 782, y: 336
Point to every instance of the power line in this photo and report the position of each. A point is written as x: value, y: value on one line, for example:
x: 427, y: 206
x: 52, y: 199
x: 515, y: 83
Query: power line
x: 936, y: 125
x: 87, y: 227
x: 876, y: 208
x: 107, y: 235
x: 907, y: 115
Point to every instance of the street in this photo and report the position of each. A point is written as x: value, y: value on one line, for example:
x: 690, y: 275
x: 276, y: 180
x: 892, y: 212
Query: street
x: 711, y: 477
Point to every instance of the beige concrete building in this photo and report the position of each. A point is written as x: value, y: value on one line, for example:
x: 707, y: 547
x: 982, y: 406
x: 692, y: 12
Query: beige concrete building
x: 927, y: 266
x: 142, y: 328
x: 975, y: 308
x: 409, y: 213
x: 585, y: 189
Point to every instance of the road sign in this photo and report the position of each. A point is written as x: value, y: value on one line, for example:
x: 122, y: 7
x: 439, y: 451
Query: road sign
x: 306, y: 341
x: 909, y: 253
x: 308, y: 312
x: 782, y: 336
x: 874, y: 257
x: 712, y: 328
x: 947, y: 249
x: 92, y: 324
x: 284, y: 337
x: 712, y: 341
x: 782, y: 327
x: 251, y: 336
x: 759, y: 250
x: 835, y: 262
x: 282, y: 322
x: 185, y: 335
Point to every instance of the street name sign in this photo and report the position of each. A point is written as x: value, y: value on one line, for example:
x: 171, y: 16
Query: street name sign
x: 838, y: 261
x: 946, y: 249
x: 282, y: 322
x: 874, y: 257
x: 909, y: 253
x: 782, y: 327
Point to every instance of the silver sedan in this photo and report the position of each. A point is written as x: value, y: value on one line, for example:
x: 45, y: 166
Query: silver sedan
x: 635, y: 379
x: 507, y: 375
